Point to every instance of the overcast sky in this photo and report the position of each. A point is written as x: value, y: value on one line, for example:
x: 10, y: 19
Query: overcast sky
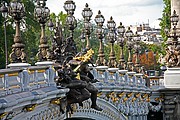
x: 129, y: 12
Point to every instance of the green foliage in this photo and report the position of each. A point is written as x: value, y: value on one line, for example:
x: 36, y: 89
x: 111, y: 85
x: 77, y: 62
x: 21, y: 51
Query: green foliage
x: 31, y: 35
x: 165, y: 21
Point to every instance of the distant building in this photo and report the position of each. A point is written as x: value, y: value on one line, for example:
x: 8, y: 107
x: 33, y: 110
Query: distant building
x: 148, y: 35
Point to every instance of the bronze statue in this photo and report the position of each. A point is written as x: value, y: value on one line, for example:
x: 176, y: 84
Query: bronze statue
x: 69, y: 47
x: 172, y: 57
x: 78, y: 93
x: 77, y: 76
x: 80, y: 65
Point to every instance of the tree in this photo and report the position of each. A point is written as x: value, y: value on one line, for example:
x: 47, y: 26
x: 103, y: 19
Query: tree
x: 147, y: 60
x: 165, y: 21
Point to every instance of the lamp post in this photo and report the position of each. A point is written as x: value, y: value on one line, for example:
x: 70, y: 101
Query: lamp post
x: 41, y: 13
x: 17, y: 12
x: 112, y: 37
x: 4, y: 11
x: 70, y: 7
x: 173, y: 49
x: 129, y: 35
x: 137, y: 39
x: 174, y: 20
x: 87, y: 14
x: 121, y: 41
x: 83, y: 39
x: 99, y: 19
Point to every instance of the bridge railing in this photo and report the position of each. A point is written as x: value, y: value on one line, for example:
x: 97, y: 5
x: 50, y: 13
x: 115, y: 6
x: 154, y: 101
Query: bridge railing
x: 19, y: 80
x: 126, y: 90
x: 11, y: 81
x: 30, y: 88
x: 155, y: 82
x: 38, y: 77
x: 129, y: 91
x: 113, y: 77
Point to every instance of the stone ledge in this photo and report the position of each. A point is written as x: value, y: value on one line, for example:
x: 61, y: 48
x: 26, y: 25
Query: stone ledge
x: 9, y: 102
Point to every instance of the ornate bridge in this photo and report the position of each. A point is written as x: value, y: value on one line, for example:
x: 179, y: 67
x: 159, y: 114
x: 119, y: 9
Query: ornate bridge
x: 124, y: 91
x: 30, y: 93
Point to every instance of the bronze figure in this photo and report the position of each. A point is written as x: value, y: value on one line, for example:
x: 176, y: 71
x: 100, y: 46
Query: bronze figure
x: 77, y: 76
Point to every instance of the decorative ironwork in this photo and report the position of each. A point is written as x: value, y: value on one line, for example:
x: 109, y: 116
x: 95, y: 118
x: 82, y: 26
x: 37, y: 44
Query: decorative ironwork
x: 112, y: 37
x: 17, y: 11
x: 121, y: 41
x: 87, y: 13
x: 56, y: 101
x: 42, y: 13
x: 99, y: 19
x: 129, y: 35
x: 137, y: 48
x: 172, y: 57
x: 30, y: 108
x: 71, y: 23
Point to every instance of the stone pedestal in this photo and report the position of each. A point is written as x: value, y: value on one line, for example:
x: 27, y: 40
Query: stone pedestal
x: 19, y: 65
x: 172, y: 78
x: 44, y: 63
x: 170, y: 91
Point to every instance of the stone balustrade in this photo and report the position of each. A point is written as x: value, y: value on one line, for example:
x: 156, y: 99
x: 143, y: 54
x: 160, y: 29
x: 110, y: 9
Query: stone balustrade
x: 19, y: 80
x: 28, y: 90
x: 126, y: 90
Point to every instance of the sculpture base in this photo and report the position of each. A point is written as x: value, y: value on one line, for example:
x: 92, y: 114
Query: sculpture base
x: 19, y: 65
x: 172, y: 78
x: 44, y: 63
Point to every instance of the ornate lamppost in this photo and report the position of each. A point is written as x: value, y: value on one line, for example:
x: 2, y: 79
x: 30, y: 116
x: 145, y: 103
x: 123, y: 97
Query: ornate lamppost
x: 112, y: 37
x: 17, y: 11
x: 137, y: 47
x: 173, y: 49
x: 129, y: 35
x: 87, y: 14
x: 121, y: 40
x: 99, y: 19
x: 174, y: 20
x: 42, y: 13
x: 4, y: 11
x: 70, y: 7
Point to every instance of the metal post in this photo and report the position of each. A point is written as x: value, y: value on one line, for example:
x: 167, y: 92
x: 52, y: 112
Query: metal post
x: 5, y: 42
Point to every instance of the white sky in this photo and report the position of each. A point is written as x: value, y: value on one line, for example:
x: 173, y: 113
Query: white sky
x: 129, y: 12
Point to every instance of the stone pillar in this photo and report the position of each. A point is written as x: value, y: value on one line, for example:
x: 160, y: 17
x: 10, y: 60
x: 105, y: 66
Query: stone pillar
x: 175, y: 5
